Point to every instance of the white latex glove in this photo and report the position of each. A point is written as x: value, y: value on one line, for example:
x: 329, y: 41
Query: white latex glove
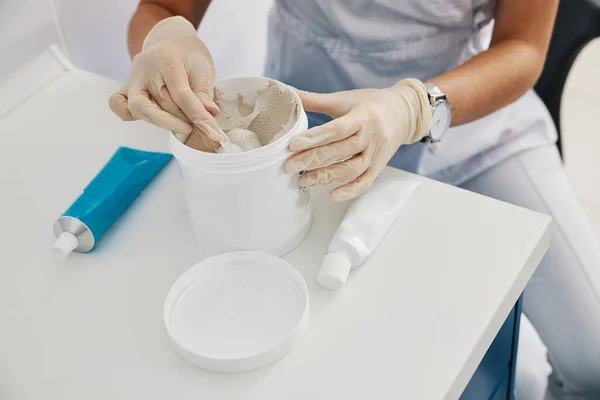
x: 170, y: 84
x: 368, y: 128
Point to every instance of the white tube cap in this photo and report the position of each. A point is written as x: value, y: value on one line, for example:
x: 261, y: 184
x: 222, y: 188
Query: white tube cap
x: 334, y: 271
x: 65, y: 244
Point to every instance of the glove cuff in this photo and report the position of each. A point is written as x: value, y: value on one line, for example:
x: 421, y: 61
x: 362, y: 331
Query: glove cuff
x: 417, y: 101
x: 168, y: 28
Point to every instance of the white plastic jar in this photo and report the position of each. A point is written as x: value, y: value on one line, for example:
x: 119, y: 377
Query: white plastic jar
x: 245, y: 201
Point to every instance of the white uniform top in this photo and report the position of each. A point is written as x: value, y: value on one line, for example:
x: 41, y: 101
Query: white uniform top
x: 333, y: 45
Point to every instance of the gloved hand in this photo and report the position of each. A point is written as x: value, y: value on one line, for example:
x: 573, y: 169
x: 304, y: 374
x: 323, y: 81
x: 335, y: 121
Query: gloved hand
x: 170, y: 83
x: 368, y: 128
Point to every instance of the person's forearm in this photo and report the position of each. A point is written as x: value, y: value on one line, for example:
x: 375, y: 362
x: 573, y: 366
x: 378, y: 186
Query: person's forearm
x: 144, y: 18
x: 150, y: 12
x: 511, y: 66
x: 490, y: 80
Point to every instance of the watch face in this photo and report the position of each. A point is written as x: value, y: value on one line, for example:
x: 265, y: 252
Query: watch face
x: 440, y: 120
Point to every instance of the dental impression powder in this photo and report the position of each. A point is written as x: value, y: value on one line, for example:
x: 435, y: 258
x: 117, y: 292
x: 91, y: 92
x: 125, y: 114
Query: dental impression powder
x: 250, y: 124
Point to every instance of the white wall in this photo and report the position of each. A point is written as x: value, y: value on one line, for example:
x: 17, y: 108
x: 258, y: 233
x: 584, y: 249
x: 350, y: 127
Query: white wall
x: 241, y: 49
x: 95, y: 33
x: 26, y: 28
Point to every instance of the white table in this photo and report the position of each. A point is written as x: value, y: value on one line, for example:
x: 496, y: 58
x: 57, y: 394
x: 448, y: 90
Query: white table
x: 412, y: 323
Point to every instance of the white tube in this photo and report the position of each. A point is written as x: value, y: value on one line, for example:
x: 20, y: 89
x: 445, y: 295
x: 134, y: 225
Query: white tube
x: 363, y: 228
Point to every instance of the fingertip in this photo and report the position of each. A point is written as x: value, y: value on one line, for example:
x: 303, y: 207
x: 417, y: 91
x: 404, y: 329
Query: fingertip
x: 117, y: 102
x: 213, y: 108
x: 306, y: 95
x: 209, y: 104
x: 288, y: 169
x: 336, y: 195
x: 183, y: 129
x: 141, y: 106
x: 212, y: 130
x: 323, y: 103
x: 315, y: 137
x: 307, y: 180
x: 309, y: 100
x: 292, y: 167
x: 296, y: 144
x: 343, y: 193
x: 301, y: 93
x: 310, y: 138
x: 355, y: 188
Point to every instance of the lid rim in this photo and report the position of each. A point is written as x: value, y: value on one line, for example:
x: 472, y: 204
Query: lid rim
x: 244, y: 362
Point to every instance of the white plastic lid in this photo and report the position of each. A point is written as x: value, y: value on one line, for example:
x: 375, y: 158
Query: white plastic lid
x: 334, y: 271
x: 237, y: 311
x: 65, y: 244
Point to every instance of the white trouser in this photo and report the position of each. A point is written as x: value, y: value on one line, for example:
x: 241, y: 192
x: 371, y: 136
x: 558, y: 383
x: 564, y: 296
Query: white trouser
x: 532, y: 364
x: 562, y: 300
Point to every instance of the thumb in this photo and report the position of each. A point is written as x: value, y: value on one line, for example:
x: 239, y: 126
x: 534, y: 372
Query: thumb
x: 331, y: 104
x: 118, y: 104
x: 201, y: 79
x: 208, y: 103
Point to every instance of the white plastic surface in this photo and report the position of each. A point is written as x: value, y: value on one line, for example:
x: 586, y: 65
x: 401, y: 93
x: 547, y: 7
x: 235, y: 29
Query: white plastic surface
x: 244, y: 201
x: 237, y: 311
x: 334, y: 271
x: 65, y: 244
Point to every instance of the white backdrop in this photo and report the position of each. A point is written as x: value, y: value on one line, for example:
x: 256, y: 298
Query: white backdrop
x: 26, y: 28
x: 95, y: 34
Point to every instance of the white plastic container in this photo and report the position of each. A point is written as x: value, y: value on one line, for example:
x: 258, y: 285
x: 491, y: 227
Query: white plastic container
x: 245, y: 201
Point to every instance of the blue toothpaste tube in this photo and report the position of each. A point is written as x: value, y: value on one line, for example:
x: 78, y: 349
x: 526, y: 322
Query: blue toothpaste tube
x: 105, y: 198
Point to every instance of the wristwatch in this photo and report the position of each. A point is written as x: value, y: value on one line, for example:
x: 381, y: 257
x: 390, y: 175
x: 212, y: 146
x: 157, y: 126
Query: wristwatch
x: 441, y: 114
